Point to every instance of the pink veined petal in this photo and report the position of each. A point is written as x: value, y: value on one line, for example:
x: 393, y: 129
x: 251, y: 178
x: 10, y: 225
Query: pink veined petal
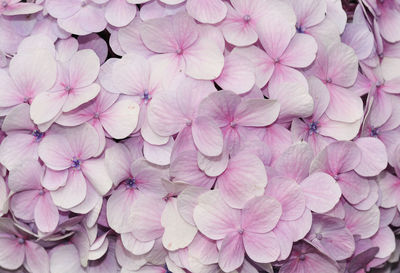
x: 231, y: 255
x: 354, y: 188
x: 320, y: 95
x: 337, y: 129
x: 22, y: 8
x: 9, y: 95
x: 289, y: 87
x: 207, y: 136
x: 52, y: 180
x: 301, y: 51
x: 54, y: 155
x: 27, y: 176
x: 66, y: 49
x: 207, y: 11
x: 285, y: 239
x: 46, y: 213
x: 89, y: 204
x: 164, y: 116
x: 158, y: 154
x: 79, y: 96
x: 321, y: 192
x: 17, y: 147
x: 338, y: 157
x: 117, y: 162
x: 388, y: 66
x: 63, y: 8
x: 261, y: 247
x: 18, y: 119
x: 149, y: 178
x: 126, y: 259
x: 373, y: 156
x: 262, y: 62
x: 244, y: 178
x: 134, y: 245
x: 330, y: 235
x: 236, y: 30
x: 261, y: 214
x: 256, y: 112
x: 289, y: 195
x: 23, y: 204
x: 238, y: 74
x: 275, y: 35
x: 95, y: 172
x: 389, y: 186
x: 33, y: 72
x: 83, y: 140
x: 185, y: 167
x: 64, y: 259
x: 177, y: 232
x: 343, y: 63
x: 360, y: 38
x: 91, y: 18
x: 294, y: 162
x: 54, y: 101
x: 385, y: 240
x: 389, y: 17
x: 309, y: 12
x: 121, y: 118
x: 84, y: 68
x: 37, y: 258
x: 131, y: 75
x: 12, y: 253
x: 187, y: 201
x: 344, y: 105
x: 96, y: 43
x: 201, y: 65
x: 371, y: 200
x: 72, y: 193
x: 214, y: 218
x: 119, y: 209
x: 363, y: 223
x: 119, y: 13
x: 129, y: 40
x: 204, y: 249
x: 147, y: 218
x: 161, y: 35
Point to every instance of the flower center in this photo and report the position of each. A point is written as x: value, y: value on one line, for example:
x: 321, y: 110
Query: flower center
x: 96, y: 115
x: 67, y: 88
x: 38, y: 135
x: 21, y: 241
x: 188, y: 123
x: 374, y: 132
x: 246, y: 18
x: 179, y: 51
x: 300, y: 29
x: 83, y: 3
x: 146, y: 96
x: 131, y: 183
x: 41, y: 192
x: 318, y: 236
x: 328, y: 80
x: 4, y: 4
x: 241, y: 231
x: 76, y: 163
x: 336, y: 177
x: 233, y: 124
x: 302, y: 257
x: 313, y: 128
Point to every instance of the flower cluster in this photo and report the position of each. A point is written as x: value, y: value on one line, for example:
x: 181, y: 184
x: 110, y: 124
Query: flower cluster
x: 199, y: 136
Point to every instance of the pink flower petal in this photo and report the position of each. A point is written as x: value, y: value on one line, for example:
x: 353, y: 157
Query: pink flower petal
x: 56, y: 100
x: 385, y: 240
x: 23, y: 204
x: 94, y: 170
x: 119, y: 209
x: 207, y: 136
x: 8, y: 98
x: 119, y: 13
x: 232, y: 252
x: 177, y: 232
x: 72, y: 193
x: 289, y: 195
x: 244, y: 178
x: 301, y: 51
x: 354, y: 188
x: 321, y: 192
x: 238, y: 74
x: 261, y: 247
x: 373, y: 156
x: 363, y: 223
x: 121, y: 118
x: 256, y: 112
x: 52, y: 180
x: 134, y: 245
x: 12, y: 253
x: 37, y: 258
x: 46, y: 214
x: 84, y: 68
x: 261, y: 214
x: 79, y: 96
x: 214, y: 218
x: 64, y: 259
x: 207, y: 11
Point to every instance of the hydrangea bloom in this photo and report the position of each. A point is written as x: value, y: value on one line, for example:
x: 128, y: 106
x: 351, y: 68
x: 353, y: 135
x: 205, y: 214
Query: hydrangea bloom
x: 199, y: 136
